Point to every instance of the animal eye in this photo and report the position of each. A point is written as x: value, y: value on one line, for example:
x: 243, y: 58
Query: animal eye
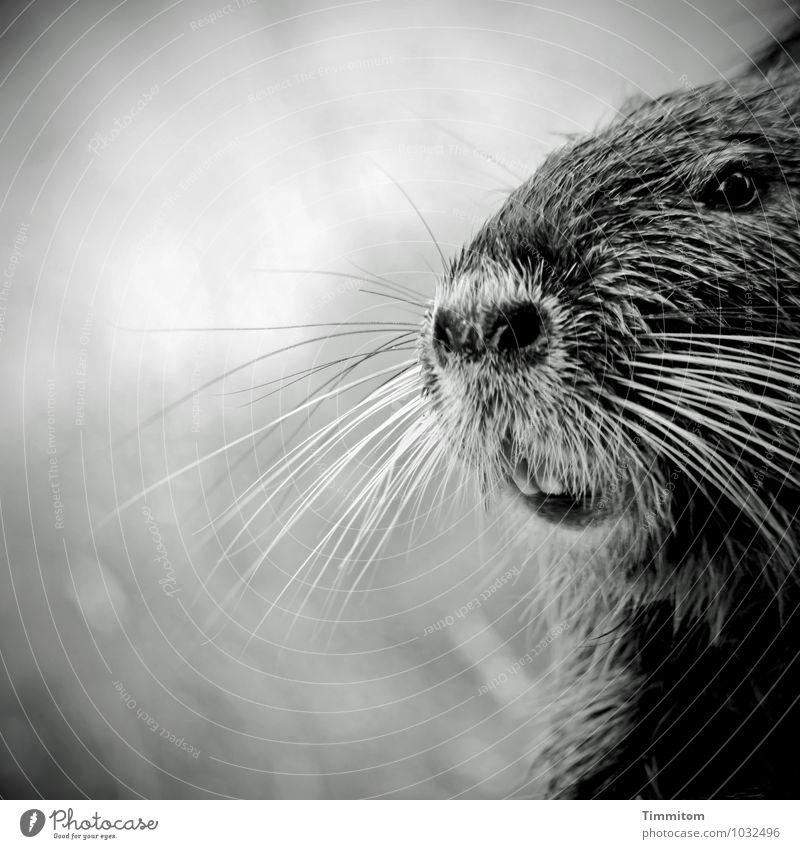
x: 735, y: 190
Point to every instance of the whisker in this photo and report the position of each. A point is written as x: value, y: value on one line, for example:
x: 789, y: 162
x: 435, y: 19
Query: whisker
x: 416, y: 210
x: 383, y: 281
x: 371, y: 396
x: 774, y: 373
x: 757, y: 511
x: 318, y: 447
x: 407, y: 484
x: 388, y: 349
x: 341, y: 375
x: 718, y: 340
x: 167, y: 478
x: 164, y: 411
x: 261, y: 328
x: 395, y: 298
x: 665, y: 399
x: 372, y: 403
x: 374, y: 492
x: 716, y: 392
x: 724, y: 380
x: 365, y: 278
x: 305, y: 499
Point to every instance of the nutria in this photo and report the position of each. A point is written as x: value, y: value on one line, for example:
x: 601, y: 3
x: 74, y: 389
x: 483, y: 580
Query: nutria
x: 618, y: 352
x: 615, y: 360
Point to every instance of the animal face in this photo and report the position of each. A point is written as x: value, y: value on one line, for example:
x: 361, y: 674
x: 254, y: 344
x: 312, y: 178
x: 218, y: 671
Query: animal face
x: 619, y: 343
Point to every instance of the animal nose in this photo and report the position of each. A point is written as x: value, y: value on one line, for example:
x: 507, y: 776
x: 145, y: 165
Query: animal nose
x: 510, y: 328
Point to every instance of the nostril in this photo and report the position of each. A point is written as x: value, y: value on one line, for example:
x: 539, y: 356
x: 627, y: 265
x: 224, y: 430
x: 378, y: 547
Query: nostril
x: 456, y: 334
x: 442, y: 323
x: 515, y: 328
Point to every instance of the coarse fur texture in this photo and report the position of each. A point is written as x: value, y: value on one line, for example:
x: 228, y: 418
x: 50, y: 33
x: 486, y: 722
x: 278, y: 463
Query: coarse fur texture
x: 659, y: 261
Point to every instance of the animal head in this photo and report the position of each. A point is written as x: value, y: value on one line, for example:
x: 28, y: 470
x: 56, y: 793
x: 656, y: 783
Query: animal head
x: 620, y: 344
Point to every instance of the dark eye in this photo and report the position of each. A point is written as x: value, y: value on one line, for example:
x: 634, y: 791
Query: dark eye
x: 735, y: 190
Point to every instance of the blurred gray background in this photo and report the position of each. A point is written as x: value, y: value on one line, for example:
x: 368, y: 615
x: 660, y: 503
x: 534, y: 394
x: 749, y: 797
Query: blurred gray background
x: 155, y: 159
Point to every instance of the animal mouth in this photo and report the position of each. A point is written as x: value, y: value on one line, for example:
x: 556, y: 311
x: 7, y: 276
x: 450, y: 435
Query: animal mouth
x: 535, y: 480
x: 547, y: 495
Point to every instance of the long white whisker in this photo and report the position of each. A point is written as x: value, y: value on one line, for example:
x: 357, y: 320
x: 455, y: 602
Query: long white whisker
x: 322, y: 482
x: 394, y: 421
x: 278, y: 468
